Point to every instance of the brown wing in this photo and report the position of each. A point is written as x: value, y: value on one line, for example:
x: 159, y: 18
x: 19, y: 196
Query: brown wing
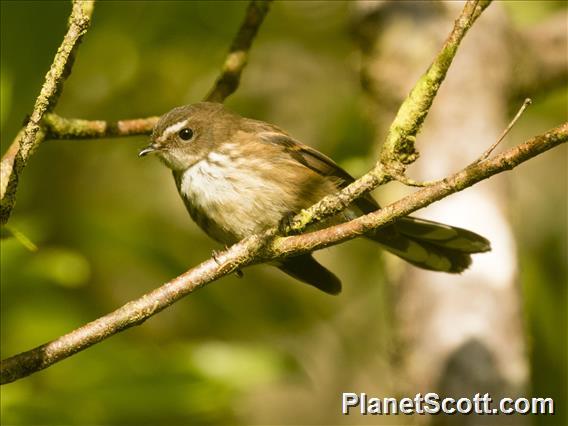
x: 319, y: 163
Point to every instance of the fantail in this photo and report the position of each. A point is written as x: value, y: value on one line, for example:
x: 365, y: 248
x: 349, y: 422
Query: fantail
x: 239, y: 177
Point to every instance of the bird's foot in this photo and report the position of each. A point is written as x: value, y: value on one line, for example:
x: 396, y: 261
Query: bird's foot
x: 285, y: 223
x: 215, y: 255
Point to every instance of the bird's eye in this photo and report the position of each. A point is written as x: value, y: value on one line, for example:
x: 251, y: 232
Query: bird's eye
x: 185, y: 134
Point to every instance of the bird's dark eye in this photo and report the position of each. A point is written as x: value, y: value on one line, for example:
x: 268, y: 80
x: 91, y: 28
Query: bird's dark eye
x: 185, y: 134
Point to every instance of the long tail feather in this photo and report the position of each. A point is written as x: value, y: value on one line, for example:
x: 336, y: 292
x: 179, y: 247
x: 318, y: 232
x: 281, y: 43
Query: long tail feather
x: 432, y: 245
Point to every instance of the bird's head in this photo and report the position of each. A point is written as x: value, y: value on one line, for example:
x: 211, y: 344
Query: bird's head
x: 187, y: 134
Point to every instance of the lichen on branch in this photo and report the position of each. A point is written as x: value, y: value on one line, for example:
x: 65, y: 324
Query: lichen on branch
x: 75, y: 128
x: 33, y: 134
x: 399, y: 146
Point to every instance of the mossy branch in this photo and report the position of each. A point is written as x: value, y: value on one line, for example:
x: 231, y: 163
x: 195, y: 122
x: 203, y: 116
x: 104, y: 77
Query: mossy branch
x: 75, y: 128
x: 398, y: 149
x: 33, y: 133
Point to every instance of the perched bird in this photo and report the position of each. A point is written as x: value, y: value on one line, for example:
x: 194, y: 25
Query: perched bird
x: 239, y: 176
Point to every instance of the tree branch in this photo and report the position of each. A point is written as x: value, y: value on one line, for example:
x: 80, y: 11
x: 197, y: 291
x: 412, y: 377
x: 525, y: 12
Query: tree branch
x: 33, y: 134
x: 264, y: 248
x: 398, y: 149
x: 75, y: 128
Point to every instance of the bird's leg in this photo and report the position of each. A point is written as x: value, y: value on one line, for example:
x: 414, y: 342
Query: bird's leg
x: 285, y: 223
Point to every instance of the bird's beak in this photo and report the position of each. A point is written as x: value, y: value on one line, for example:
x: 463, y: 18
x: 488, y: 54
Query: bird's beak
x: 149, y: 149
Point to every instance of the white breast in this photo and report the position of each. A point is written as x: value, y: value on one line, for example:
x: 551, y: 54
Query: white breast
x: 230, y: 199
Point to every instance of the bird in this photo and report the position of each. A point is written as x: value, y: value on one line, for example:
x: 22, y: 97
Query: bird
x: 238, y: 176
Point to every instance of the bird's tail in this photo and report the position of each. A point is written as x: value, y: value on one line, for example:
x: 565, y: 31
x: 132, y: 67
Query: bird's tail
x: 431, y: 245
x: 306, y: 269
x: 423, y: 243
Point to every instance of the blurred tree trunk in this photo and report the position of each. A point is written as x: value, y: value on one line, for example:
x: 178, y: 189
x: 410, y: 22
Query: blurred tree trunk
x: 458, y: 335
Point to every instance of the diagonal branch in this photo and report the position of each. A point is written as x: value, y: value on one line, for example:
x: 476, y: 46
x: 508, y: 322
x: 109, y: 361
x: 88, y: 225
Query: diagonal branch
x: 398, y: 149
x: 264, y: 248
x: 33, y: 134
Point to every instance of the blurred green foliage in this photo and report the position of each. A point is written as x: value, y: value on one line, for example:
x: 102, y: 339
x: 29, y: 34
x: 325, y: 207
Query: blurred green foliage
x: 110, y: 226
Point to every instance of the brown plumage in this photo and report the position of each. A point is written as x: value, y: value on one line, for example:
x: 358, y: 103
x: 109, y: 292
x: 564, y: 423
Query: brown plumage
x: 239, y: 176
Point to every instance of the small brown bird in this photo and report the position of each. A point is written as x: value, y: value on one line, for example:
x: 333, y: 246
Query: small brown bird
x: 239, y: 177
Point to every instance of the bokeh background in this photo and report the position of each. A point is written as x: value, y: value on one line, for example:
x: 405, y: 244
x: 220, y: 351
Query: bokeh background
x: 110, y: 226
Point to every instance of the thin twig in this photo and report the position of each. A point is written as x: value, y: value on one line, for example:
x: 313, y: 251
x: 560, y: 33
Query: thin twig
x: 411, y: 182
x: 264, y: 248
x: 487, y: 153
x: 33, y: 135
x: 398, y: 149
x: 20, y: 237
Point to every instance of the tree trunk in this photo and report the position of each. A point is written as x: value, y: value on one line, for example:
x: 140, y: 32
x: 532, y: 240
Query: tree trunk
x: 459, y: 334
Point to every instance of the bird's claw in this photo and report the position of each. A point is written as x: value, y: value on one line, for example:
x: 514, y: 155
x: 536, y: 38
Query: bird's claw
x: 285, y: 223
x: 215, y: 255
